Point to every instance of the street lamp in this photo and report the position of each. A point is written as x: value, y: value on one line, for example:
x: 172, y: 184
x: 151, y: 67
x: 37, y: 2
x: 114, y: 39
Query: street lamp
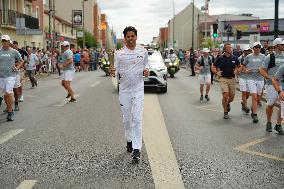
x: 84, y: 23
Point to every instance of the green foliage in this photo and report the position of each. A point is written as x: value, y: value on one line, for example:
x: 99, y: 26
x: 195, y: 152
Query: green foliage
x: 119, y: 46
x: 90, y: 40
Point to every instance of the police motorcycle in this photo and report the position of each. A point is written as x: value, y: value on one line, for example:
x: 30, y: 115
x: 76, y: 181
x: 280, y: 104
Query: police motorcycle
x: 105, y: 65
x: 172, y: 64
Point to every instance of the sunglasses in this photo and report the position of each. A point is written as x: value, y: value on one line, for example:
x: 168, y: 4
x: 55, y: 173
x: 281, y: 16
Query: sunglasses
x: 3, y: 40
x: 257, y: 47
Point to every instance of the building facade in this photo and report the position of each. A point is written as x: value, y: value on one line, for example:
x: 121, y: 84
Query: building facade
x: 163, y: 37
x: 29, y: 16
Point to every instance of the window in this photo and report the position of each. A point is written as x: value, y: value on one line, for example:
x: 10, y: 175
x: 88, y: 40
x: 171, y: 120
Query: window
x: 28, y: 9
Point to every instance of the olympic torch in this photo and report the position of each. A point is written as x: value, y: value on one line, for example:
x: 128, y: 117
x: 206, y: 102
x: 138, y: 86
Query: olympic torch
x: 110, y: 54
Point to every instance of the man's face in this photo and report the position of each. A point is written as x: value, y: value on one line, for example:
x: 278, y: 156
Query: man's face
x: 228, y: 49
x: 206, y: 54
x: 29, y: 50
x: 5, y: 44
x: 265, y: 44
x: 280, y: 47
x: 15, y: 46
x: 256, y: 49
x: 130, y: 39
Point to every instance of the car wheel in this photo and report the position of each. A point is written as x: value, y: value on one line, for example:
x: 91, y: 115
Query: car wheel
x: 165, y: 89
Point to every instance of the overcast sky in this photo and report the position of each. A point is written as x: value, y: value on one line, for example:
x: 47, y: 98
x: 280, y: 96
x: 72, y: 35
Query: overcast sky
x: 149, y: 15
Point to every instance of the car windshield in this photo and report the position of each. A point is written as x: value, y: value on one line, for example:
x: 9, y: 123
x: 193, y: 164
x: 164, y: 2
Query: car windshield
x: 155, y: 58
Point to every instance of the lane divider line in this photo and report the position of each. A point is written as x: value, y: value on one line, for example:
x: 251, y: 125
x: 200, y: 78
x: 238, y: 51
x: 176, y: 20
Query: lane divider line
x: 10, y: 134
x: 27, y: 184
x: 162, y: 159
x: 95, y: 84
x: 65, y: 101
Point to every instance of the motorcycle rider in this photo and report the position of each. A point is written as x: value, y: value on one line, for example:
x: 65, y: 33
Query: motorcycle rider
x: 172, y: 56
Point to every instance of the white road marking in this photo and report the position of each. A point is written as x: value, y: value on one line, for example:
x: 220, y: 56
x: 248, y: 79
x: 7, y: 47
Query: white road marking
x: 159, y: 149
x: 30, y: 96
x: 10, y: 134
x: 95, y: 84
x: 65, y: 101
x: 27, y: 184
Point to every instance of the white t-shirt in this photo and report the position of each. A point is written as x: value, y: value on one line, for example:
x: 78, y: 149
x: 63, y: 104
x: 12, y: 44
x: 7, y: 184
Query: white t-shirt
x: 130, y: 65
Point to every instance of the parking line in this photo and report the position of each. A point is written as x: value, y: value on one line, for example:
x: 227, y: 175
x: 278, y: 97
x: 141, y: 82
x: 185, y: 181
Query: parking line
x: 95, y: 84
x: 162, y: 159
x: 244, y: 148
x: 27, y: 184
x: 247, y: 145
x: 262, y: 155
x: 10, y: 134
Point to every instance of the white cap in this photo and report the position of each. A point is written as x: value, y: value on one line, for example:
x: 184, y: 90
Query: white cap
x: 256, y: 44
x: 5, y: 37
x: 65, y: 43
x: 278, y: 41
x: 246, y: 48
x: 206, y: 50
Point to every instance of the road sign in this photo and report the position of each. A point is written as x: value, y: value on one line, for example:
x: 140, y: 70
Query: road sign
x: 80, y: 34
x: 77, y: 16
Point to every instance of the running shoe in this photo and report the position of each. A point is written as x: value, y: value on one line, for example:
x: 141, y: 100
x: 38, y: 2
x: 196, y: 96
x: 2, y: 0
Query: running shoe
x: 278, y: 128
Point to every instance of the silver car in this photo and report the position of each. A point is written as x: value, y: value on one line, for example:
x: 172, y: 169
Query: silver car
x: 158, y: 72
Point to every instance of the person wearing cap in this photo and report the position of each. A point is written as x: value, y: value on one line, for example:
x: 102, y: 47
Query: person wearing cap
x: 243, y: 80
x: 8, y: 68
x: 68, y: 68
x: 225, y: 67
x: 271, y: 64
x: 255, y: 82
x: 203, y: 64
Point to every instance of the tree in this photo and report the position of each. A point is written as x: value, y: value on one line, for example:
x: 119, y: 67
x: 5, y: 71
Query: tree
x: 90, y: 40
x: 119, y: 45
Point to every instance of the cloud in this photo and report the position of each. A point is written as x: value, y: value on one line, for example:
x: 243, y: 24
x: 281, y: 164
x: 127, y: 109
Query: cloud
x: 149, y: 15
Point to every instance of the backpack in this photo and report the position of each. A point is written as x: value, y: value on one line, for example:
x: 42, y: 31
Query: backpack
x: 209, y: 61
x: 271, y: 61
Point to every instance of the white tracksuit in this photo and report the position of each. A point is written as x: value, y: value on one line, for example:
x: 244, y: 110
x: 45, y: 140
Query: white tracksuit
x: 130, y: 65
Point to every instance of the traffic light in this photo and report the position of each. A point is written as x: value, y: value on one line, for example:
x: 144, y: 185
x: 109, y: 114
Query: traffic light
x: 215, y: 30
x: 239, y: 34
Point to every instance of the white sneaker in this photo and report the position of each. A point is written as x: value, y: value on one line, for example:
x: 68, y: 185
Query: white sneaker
x: 21, y: 99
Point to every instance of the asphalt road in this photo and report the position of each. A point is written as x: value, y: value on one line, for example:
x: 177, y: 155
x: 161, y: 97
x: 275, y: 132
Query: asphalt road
x: 54, y: 144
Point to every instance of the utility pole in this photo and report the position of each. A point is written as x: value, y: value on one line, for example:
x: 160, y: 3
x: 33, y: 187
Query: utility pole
x: 83, y: 14
x: 49, y: 23
x: 53, y: 15
x: 173, y: 24
x: 276, y: 19
x: 192, y: 41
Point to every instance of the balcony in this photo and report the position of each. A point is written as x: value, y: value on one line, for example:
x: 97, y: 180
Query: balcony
x: 8, y: 18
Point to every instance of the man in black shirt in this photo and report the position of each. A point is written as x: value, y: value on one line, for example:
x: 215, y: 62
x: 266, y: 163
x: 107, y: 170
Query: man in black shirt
x: 225, y: 68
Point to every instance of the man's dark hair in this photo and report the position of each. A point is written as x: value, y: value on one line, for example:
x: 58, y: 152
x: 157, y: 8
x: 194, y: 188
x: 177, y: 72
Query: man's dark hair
x: 226, y: 44
x: 15, y: 42
x: 128, y: 29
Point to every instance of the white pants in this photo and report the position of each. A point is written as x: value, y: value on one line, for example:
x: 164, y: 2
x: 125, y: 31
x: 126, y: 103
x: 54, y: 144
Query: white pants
x: 271, y: 95
x: 243, y: 85
x: 255, y: 87
x: 68, y: 75
x: 132, y: 107
x: 204, y: 79
x: 7, y: 84
x: 17, y: 80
